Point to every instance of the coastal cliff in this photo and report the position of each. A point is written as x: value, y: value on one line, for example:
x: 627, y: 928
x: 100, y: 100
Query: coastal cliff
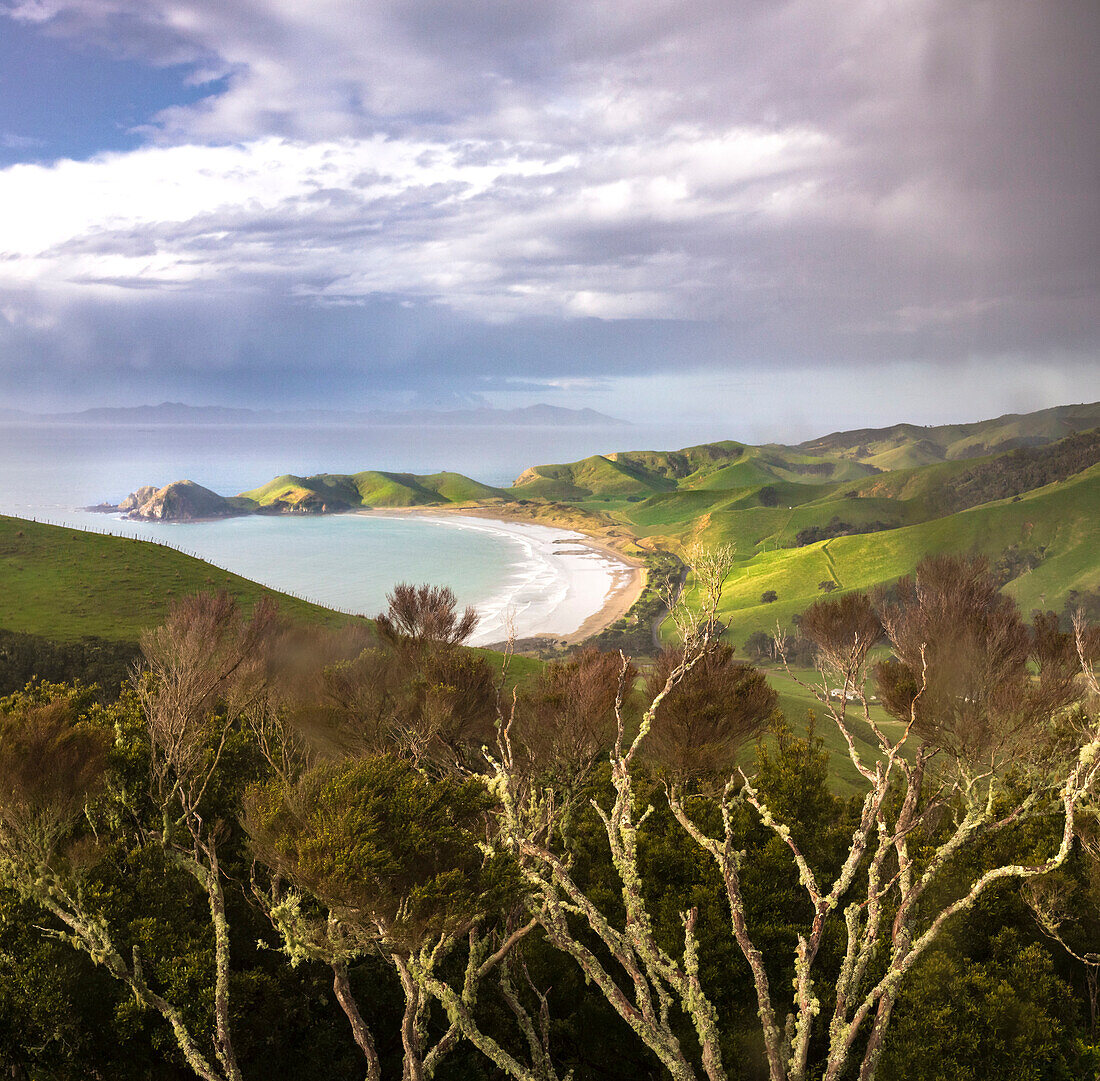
x: 181, y: 501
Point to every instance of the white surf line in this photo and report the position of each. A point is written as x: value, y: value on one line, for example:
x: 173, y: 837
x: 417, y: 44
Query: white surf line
x: 560, y: 583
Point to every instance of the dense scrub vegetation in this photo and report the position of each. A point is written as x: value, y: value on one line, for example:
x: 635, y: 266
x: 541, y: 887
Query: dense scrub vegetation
x: 99, y: 661
x: 292, y: 853
x: 665, y: 574
x: 1022, y: 471
x: 1015, y: 560
x: 836, y: 528
x: 1087, y: 602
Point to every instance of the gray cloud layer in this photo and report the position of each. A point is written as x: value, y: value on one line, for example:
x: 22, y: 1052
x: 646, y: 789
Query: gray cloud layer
x: 412, y: 187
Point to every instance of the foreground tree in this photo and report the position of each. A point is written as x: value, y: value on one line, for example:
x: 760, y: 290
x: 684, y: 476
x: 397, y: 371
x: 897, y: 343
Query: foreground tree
x: 424, y: 617
x: 609, y: 802
x: 203, y: 668
x: 977, y: 751
x: 377, y: 840
x: 382, y: 860
x: 166, y: 787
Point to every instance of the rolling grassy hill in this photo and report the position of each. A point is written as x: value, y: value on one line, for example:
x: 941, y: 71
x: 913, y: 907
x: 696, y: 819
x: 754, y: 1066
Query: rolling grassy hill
x: 719, y: 466
x: 910, y: 445
x: 1059, y: 525
x: 65, y: 584
x: 858, y: 509
x: 601, y: 476
x: 370, y: 488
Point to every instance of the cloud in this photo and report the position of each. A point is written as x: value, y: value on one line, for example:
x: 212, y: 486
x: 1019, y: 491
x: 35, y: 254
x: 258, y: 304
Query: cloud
x: 795, y: 181
x: 9, y: 141
x: 496, y: 230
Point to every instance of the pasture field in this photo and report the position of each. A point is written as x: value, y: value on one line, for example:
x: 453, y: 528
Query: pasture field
x: 66, y: 584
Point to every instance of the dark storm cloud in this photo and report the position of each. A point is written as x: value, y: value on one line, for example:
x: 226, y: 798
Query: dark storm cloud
x: 220, y: 346
x: 575, y: 188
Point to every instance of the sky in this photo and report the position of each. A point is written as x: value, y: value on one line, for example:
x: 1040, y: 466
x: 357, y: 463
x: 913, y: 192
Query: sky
x: 777, y: 215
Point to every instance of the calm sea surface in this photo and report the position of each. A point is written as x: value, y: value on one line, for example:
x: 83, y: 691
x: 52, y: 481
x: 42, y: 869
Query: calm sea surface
x: 49, y: 472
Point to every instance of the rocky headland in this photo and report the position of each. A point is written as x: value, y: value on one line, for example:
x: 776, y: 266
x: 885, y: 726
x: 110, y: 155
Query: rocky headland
x: 180, y: 501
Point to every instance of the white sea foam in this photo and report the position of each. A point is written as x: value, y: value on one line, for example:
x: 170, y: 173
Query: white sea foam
x: 555, y: 583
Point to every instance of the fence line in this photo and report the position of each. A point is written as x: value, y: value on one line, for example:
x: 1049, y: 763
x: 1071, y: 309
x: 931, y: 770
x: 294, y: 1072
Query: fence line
x: 105, y: 532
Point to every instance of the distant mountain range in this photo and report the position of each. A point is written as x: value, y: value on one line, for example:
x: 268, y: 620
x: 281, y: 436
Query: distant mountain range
x: 177, y: 413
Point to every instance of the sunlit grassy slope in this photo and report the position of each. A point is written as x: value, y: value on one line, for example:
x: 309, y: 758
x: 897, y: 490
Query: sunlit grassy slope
x: 373, y: 488
x: 65, y: 584
x: 1062, y: 521
x: 859, y: 509
x: 721, y: 466
x: 910, y: 445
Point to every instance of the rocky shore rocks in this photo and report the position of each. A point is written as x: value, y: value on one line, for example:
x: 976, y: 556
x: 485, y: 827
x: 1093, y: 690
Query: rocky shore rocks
x: 180, y: 501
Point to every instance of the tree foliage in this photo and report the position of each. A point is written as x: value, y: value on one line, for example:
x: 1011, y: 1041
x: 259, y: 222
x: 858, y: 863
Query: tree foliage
x: 398, y: 855
x: 708, y: 715
x: 595, y: 874
x: 423, y: 615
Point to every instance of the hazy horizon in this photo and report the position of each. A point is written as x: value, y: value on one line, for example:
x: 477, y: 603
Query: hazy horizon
x: 790, y: 428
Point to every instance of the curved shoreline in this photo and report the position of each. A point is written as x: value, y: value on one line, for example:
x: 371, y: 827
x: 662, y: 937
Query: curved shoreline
x: 556, y: 601
x: 626, y: 574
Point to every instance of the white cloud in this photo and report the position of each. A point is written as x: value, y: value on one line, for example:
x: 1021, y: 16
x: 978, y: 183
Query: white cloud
x: 491, y: 227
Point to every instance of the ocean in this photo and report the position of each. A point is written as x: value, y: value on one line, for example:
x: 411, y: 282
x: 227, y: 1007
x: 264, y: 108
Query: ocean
x: 49, y: 472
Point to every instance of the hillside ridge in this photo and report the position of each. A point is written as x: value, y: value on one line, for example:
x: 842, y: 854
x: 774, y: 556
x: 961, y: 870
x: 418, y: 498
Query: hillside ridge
x: 817, y: 516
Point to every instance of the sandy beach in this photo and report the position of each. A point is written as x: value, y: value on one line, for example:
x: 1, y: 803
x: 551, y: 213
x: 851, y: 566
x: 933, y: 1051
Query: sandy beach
x: 570, y: 585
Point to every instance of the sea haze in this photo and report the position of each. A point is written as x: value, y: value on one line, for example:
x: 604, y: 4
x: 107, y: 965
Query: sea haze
x: 50, y: 472
x: 62, y: 466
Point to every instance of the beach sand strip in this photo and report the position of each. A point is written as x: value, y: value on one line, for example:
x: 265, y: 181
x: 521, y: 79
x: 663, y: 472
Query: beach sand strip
x: 628, y: 575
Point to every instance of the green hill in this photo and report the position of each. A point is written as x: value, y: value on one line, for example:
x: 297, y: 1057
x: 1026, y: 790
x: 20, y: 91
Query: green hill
x: 456, y: 488
x: 616, y: 476
x: 65, y: 584
x: 1047, y: 542
x: 636, y: 475
x: 329, y: 492
x: 799, y: 520
x: 909, y: 445
x: 289, y: 492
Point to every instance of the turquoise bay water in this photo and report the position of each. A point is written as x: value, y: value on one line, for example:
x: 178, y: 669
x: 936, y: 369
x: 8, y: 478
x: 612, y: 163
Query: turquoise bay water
x: 345, y: 561
x: 50, y: 472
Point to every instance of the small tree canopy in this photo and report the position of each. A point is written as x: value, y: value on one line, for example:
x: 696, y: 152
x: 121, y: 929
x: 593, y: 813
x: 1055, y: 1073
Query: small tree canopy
x: 50, y: 766
x: 397, y: 855
x: 207, y: 658
x: 961, y: 667
x: 566, y: 719
x: 708, y: 716
x: 843, y: 630
x: 418, y: 615
x: 432, y: 706
x: 447, y: 709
